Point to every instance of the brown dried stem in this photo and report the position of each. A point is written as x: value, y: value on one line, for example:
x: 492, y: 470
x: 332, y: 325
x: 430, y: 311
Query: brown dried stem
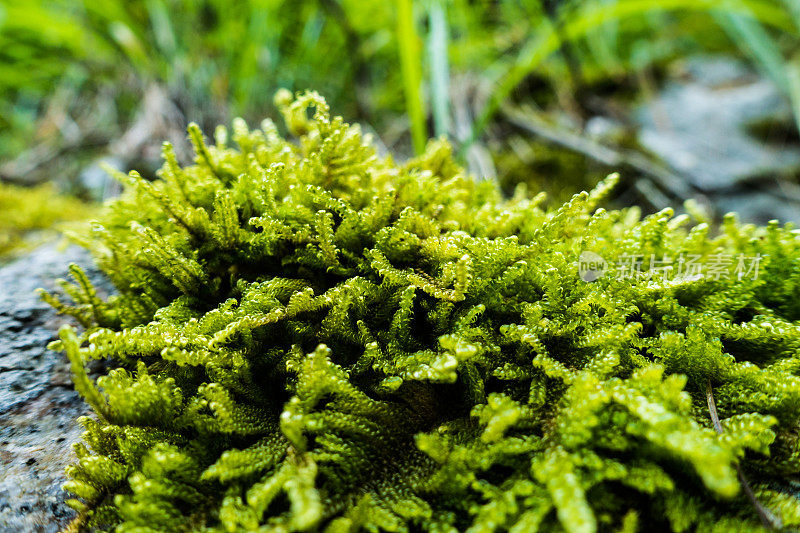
x: 768, y: 519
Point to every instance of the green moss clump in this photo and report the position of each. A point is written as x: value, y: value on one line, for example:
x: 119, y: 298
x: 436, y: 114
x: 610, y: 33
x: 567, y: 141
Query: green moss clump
x: 309, y: 337
x: 27, y: 215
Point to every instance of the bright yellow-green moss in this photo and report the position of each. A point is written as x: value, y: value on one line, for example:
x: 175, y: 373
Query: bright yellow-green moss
x: 28, y: 214
x: 310, y: 337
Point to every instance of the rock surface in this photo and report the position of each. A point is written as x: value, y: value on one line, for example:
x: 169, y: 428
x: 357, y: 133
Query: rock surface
x: 38, y: 405
x: 731, y: 134
x: 700, y: 125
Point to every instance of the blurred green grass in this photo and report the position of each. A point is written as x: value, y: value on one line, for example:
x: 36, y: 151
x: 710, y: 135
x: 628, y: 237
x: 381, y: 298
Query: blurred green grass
x: 75, y: 73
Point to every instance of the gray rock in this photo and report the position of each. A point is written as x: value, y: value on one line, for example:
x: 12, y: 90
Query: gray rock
x: 38, y: 405
x: 98, y: 182
x: 758, y: 206
x: 700, y: 126
x: 717, y: 71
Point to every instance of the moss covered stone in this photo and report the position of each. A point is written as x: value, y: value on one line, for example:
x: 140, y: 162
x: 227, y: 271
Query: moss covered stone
x: 28, y: 216
x: 309, y: 337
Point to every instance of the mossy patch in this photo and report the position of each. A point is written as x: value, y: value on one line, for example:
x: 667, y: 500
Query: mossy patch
x: 27, y: 215
x: 310, y: 337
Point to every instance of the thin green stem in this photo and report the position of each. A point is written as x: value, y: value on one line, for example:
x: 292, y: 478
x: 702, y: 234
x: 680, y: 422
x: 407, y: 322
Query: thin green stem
x: 438, y: 67
x: 410, y: 63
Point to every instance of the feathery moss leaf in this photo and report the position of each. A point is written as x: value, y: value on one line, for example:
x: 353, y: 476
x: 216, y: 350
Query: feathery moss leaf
x: 311, y: 337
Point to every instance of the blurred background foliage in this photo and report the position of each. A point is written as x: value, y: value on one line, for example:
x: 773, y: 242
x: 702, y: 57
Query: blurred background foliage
x: 30, y: 215
x: 513, y: 83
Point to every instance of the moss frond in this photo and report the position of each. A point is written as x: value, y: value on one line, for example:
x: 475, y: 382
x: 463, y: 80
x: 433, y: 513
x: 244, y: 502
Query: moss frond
x: 311, y: 337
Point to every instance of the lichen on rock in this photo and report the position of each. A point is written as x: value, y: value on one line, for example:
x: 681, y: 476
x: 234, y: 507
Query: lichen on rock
x: 310, y: 337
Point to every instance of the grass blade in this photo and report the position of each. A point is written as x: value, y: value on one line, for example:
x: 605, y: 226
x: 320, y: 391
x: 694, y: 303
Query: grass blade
x: 754, y: 41
x: 793, y: 80
x: 439, y: 68
x: 545, y: 42
x: 410, y: 63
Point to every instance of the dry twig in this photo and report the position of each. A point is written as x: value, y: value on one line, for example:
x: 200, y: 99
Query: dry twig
x: 768, y: 518
x: 620, y: 159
